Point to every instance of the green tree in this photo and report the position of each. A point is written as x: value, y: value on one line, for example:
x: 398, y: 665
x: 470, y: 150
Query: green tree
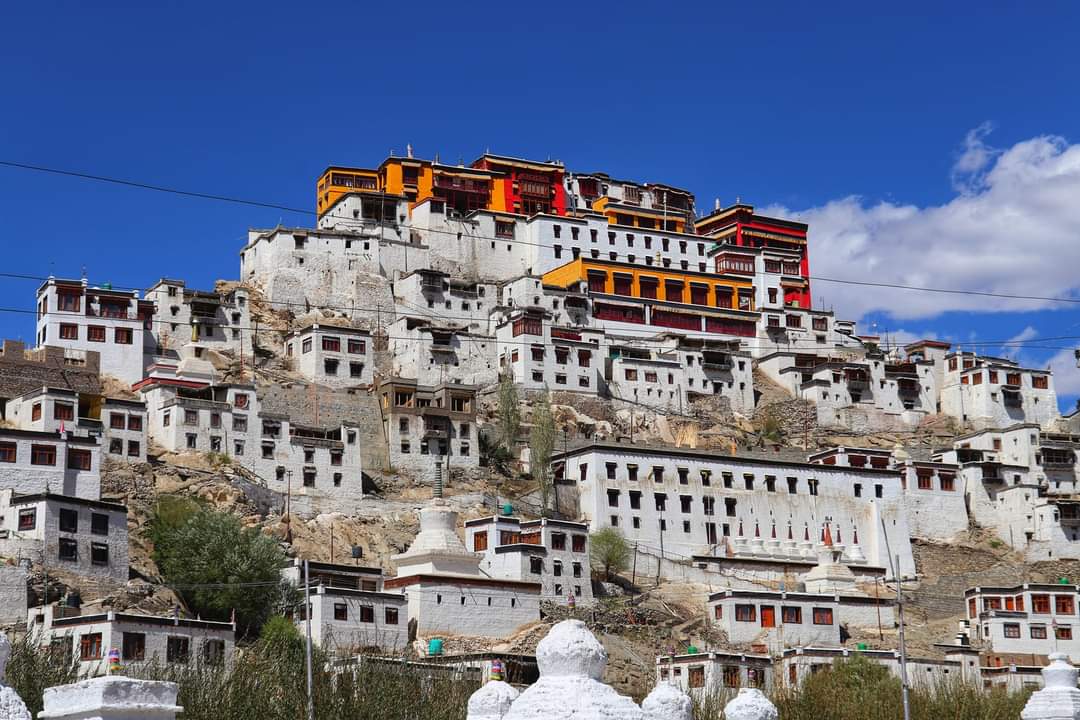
x: 509, y: 412
x: 218, y: 566
x: 609, y: 551
x: 541, y: 444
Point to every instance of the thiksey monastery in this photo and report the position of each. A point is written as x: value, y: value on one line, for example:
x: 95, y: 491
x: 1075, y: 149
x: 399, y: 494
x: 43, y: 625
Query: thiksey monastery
x: 372, y: 345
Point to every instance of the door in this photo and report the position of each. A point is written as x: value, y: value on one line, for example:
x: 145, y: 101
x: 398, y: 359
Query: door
x: 768, y: 616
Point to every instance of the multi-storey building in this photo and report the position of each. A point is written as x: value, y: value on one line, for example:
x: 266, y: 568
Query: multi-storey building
x: 1030, y: 619
x: 34, y: 461
x: 540, y: 356
x: 434, y: 354
x: 124, y: 429
x: 113, y: 323
x: 201, y: 319
x: 692, y: 503
x: 441, y: 298
x: 425, y: 425
x: 779, y: 620
x: 331, y: 355
x: 317, y: 468
x: 142, y: 639
x: 69, y: 534
x: 668, y: 208
x: 994, y: 392
x: 629, y: 299
x: 934, y: 494
x: 554, y: 553
x: 740, y: 228
x: 349, y: 610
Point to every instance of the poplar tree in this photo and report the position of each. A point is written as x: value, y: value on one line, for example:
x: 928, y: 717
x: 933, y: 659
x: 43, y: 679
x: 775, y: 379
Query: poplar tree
x: 509, y: 413
x: 541, y: 444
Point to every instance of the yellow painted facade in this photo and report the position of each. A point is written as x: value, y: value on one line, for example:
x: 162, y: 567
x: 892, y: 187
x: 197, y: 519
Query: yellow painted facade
x: 644, y: 218
x: 337, y: 181
x: 718, y: 286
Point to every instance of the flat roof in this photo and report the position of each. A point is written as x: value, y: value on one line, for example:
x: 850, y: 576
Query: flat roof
x: 144, y: 619
x: 67, y: 500
x: 671, y: 451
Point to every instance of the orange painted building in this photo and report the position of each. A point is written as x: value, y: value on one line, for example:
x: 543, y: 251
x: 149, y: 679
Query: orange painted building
x: 680, y: 299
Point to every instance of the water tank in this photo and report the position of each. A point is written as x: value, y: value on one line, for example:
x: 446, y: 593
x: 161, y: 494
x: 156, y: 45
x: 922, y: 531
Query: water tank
x: 434, y: 646
x: 507, y: 509
x: 691, y: 650
x: 861, y: 646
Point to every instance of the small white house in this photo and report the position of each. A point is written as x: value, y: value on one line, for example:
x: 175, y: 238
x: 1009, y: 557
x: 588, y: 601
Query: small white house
x: 82, y: 537
x: 330, y: 355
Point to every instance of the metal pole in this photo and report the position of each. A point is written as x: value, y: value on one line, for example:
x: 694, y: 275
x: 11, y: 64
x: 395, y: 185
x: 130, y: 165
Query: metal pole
x: 633, y: 570
x: 307, y: 644
x: 903, y: 648
x: 661, y: 560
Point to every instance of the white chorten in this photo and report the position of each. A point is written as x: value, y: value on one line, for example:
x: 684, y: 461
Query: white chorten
x: 750, y: 704
x: 492, y: 701
x: 437, y: 548
x: 11, y: 705
x: 571, y: 662
x: 830, y: 575
x: 667, y: 702
x: 1059, y: 699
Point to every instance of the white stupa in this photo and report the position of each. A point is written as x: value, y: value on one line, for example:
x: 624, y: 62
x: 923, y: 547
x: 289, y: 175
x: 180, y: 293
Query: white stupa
x: 571, y: 662
x: 437, y: 548
x: 667, y: 702
x: 830, y: 575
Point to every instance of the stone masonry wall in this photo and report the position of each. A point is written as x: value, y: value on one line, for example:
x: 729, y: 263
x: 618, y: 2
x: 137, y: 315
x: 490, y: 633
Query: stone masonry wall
x: 20, y: 373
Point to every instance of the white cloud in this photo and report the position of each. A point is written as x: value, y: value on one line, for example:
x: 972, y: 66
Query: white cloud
x: 1066, y: 374
x: 1014, y: 229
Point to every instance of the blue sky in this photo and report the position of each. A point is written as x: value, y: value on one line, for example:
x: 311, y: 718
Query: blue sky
x: 926, y: 145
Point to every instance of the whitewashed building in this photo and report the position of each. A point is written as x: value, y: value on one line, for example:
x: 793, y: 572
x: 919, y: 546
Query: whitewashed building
x: 141, y: 639
x: 317, y: 468
x: 200, y: 319
x: 693, y: 503
x: 988, y: 392
x: 75, y: 535
x: 443, y: 299
x: 440, y: 354
x: 554, y: 553
x: 778, y: 620
x: 541, y: 356
x: 329, y: 355
x: 350, y: 611
x: 1032, y: 619
x: 124, y: 429
x: 113, y: 323
x: 36, y: 462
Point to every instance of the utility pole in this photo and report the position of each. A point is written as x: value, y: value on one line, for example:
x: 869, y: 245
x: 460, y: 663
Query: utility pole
x: 895, y: 566
x: 661, y: 560
x: 307, y: 644
x: 633, y: 570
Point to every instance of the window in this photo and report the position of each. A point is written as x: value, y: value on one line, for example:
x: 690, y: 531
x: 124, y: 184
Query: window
x: 215, y: 420
x: 823, y: 616
x: 69, y: 332
x: 1063, y: 605
x: 99, y: 554
x: 330, y: 367
x: 335, y: 457
x: 556, y: 568
x: 731, y: 676
x: 117, y: 421
x: 95, y: 333
x: 356, y: 369
x: 35, y: 412
x: 367, y: 614
x: 213, y: 651
x: 192, y: 440
x: 238, y: 448
x: 122, y: 336
x: 1012, y: 630
x: 68, y: 550
x: 1038, y: 632
x: 745, y: 613
x: 635, y: 500
x: 558, y: 541
x: 166, y: 419
x: 42, y: 454
x: 791, y: 615
x: 331, y: 344
x: 99, y: 524
x: 28, y: 519
x: 134, y: 646
x: 78, y: 459
x: 341, y: 612
x: 1040, y: 604
x: 309, y: 477
x: 1063, y: 632
x: 536, y: 565
x: 63, y: 411
x: 177, y: 649
x: 696, y: 677
x: 191, y: 417
x: 8, y: 452
x: 69, y: 520
x: 577, y: 543
x: 390, y: 616
x: 357, y: 347
x: 90, y: 646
